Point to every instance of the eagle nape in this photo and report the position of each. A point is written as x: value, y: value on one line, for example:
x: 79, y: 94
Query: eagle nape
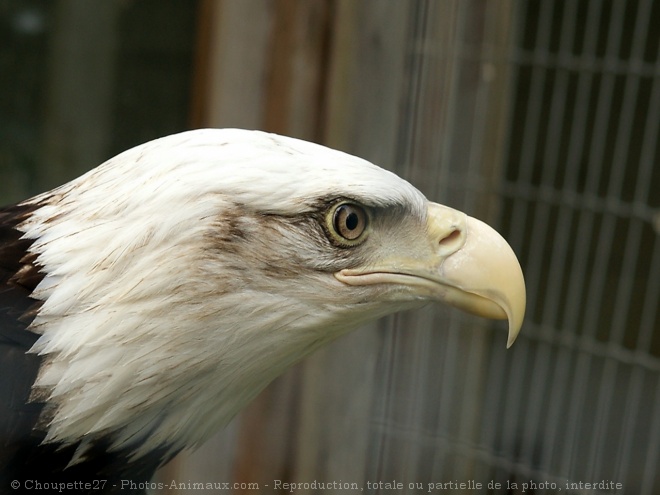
x: 145, y: 303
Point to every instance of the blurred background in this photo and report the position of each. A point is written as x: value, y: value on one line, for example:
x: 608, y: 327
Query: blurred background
x: 539, y: 117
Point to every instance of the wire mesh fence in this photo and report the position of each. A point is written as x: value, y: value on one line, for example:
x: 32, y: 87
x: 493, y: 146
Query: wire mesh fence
x: 577, y: 400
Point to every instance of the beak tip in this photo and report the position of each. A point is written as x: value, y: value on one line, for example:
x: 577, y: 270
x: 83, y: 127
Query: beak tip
x: 510, y: 341
x: 514, y: 329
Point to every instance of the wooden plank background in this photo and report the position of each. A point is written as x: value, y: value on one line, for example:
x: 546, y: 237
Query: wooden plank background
x: 340, y: 73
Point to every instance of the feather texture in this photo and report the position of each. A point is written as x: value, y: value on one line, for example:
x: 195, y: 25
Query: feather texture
x: 180, y: 277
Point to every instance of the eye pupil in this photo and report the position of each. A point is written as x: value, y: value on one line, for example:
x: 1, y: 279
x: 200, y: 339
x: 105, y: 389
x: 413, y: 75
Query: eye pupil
x: 349, y: 221
x: 352, y: 221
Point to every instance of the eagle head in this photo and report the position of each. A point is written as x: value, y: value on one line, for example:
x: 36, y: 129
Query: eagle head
x: 183, y: 275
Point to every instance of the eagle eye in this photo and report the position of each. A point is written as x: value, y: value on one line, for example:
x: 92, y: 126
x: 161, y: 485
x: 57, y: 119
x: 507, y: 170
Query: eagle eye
x: 348, y: 223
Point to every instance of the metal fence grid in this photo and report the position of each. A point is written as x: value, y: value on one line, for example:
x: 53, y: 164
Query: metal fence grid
x: 576, y: 90
x: 581, y: 197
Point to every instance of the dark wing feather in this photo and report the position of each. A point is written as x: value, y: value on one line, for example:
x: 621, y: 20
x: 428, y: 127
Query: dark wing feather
x: 19, y: 275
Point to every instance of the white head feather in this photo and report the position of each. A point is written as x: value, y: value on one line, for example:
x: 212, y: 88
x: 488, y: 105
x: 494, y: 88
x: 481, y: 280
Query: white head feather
x: 154, y: 326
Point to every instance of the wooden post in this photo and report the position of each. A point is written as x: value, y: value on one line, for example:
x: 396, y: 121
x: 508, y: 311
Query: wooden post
x: 78, y: 123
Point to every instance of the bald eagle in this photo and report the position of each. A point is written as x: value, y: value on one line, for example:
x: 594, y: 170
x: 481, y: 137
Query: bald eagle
x: 143, y: 304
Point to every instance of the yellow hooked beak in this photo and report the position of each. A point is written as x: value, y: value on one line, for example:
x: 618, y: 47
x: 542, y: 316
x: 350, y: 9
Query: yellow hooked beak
x: 460, y: 261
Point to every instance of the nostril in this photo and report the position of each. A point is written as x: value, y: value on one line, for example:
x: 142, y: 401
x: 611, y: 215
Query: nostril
x: 450, y: 238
